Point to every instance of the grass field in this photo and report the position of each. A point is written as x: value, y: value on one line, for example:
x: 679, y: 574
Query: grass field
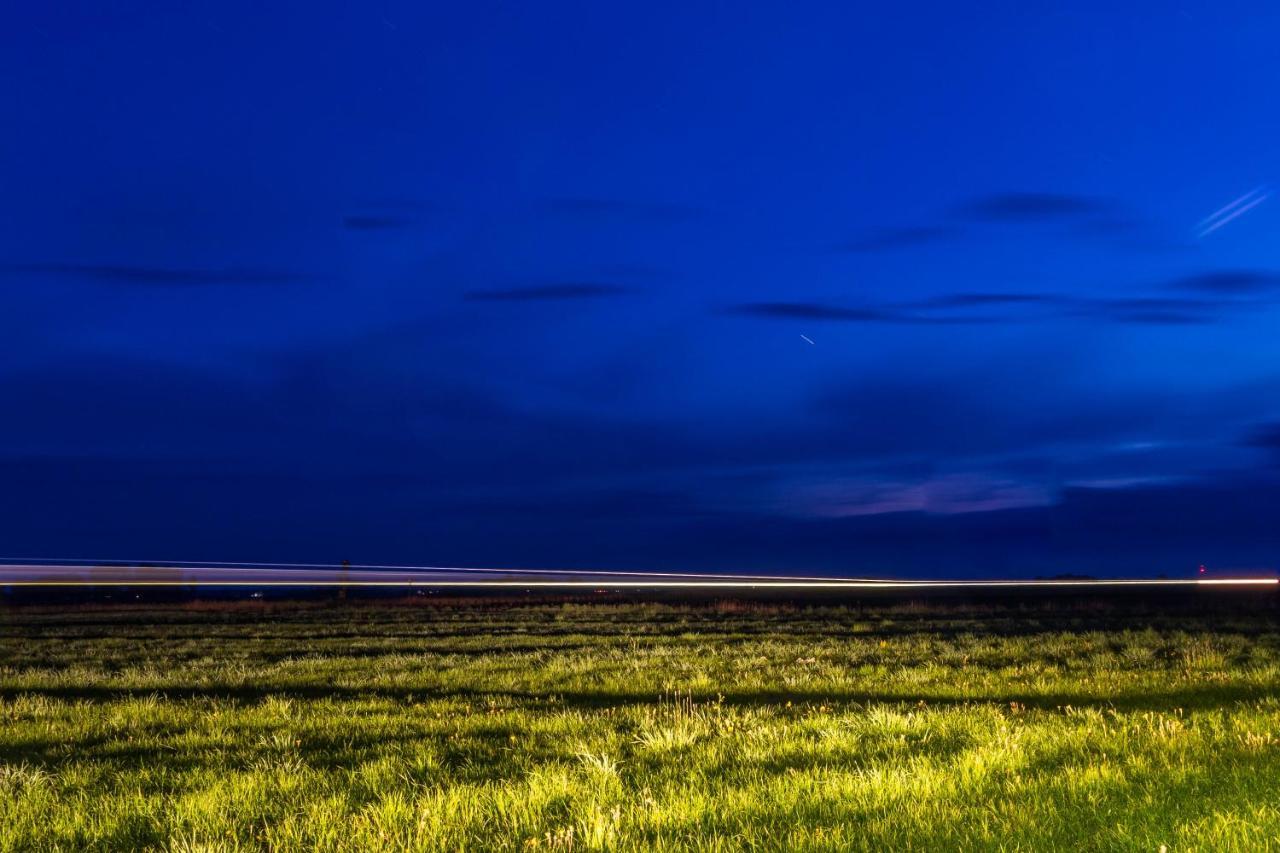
x: 586, y: 727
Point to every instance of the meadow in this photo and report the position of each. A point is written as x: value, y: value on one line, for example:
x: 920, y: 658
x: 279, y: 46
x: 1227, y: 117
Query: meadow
x: 586, y: 726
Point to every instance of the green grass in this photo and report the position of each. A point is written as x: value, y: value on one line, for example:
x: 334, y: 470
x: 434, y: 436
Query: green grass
x: 597, y: 727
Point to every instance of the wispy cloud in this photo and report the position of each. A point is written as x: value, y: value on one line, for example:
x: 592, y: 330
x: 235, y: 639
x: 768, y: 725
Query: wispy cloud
x: 953, y: 494
x: 985, y: 300
x: 1156, y: 311
x: 821, y: 311
x: 812, y: 311
x: 1079, y: 216
x: 1230, y: 282
x: 1033, y: 207
x: 1007, y: 308
x: 1266, y: 436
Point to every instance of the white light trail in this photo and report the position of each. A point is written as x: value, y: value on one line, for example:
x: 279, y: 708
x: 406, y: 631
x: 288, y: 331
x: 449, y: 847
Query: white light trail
x: 1227, y: 208
x: 65, y: 564
x: 686, y: 585
x: 1235, y: 209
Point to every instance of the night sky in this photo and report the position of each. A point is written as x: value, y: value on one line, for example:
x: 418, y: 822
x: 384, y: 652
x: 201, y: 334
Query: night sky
x: 906, y: 289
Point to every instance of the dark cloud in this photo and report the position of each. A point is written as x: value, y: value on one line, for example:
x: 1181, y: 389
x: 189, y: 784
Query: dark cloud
x: 1101, y: 221
x: 987, y: 300
x: 1033, y: 207
x: 548, y: 292
x: 892, y: 314
x: 886, y: 239
x: 117, y: 507
x: 1230, y: 282
x: 1266, y: 437
x: 1082, y: 216
x: 1087, y: 217
x: 1156, y: 311
x: 158, y: 276
x: 1129, y: 233
x: 375, y: 222
x: 1152, y: 310
x: 1144, y: 531
x: 341, y: 454
x: 601, y: 208
x: 812, y: 311
x: 1013, y: 308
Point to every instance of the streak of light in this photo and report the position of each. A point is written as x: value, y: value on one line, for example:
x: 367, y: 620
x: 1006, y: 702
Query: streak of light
x: 69, y: 564
x: 1235, y: 209
x: 806, y: 338
x: 691, y: 585
x: 1227, y: 208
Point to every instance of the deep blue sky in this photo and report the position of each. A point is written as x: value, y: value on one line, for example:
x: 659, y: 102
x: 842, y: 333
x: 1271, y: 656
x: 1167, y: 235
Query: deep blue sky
x: 535, y: 284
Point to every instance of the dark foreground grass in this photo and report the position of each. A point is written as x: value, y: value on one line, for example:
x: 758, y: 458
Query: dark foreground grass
x: 587, y: 727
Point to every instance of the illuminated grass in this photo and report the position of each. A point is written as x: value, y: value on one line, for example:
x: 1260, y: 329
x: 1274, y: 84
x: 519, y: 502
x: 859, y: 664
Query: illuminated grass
x: 624, y: 727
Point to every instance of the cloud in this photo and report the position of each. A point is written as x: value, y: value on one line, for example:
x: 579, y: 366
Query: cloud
x: 1229, y: 282
x: 1126, y: 232
x: 548, y: 292
x: 1141, y: 310
x: 1086, y: 216
x: 1033, y: 207
x: 1095, y: 219
x: 1267, y: 437
x: 948, y: 494
x: 1013, y: 308
x: 887, y: 239
x: 986, y: 300
x: 187, y: 507
x: 141, y: 275
x: 355, y: 453
x: 1169, y: 529
x: 811, y: 311
x: 890, y: 314
x: 1157, y: 311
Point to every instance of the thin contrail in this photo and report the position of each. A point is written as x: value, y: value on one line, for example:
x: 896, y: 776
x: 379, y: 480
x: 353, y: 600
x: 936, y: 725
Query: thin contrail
x: 1227, y: 208
x: 1235, y: 209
